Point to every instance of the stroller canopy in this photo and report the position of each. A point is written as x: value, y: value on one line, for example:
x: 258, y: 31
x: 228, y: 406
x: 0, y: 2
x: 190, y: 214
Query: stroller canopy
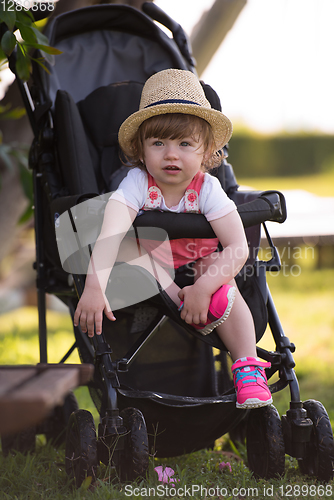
x: 118, y: 44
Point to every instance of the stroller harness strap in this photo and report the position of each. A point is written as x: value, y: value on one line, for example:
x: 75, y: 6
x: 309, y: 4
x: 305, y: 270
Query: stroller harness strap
x: 179, y: 252
x: 191, y: 196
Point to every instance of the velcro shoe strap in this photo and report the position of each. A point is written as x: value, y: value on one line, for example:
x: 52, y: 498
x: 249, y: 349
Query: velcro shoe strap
x: 250, y: 362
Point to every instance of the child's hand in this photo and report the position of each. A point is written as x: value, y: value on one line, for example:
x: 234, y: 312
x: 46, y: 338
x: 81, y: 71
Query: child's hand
x: 196, y: 304
x: 89, y: 311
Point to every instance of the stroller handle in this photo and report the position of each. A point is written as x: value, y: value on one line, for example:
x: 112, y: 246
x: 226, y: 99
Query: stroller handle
x: 88, y: 212
x: 180, y: 37
x: 269, y: 206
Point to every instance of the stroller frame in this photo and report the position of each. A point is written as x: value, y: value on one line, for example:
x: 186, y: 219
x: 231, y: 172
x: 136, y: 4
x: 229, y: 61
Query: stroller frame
x: 297, y: 429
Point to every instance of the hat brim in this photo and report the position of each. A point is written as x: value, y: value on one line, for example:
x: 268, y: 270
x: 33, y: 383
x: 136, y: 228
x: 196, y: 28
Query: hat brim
x: 220, y: 124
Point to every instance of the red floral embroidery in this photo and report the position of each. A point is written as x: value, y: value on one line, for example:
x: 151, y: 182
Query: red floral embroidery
x: 191, y: 197
x: 153, y: 195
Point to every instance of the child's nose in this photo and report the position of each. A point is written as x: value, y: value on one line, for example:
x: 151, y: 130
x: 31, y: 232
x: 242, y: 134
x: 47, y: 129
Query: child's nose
x: 171, y: 151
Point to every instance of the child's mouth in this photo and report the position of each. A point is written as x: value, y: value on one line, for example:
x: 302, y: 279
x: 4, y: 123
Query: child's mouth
x: 172, y: 167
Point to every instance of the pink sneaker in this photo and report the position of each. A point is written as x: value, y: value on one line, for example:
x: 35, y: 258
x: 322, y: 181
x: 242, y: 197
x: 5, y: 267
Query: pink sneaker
x: 219, y: 309
x: 251, y: 383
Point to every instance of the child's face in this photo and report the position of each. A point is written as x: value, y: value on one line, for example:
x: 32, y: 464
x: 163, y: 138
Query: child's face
x: 173, y: 161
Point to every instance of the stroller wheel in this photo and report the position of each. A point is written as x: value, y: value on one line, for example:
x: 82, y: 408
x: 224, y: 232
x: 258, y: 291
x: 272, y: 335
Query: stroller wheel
x: 81, y: 446
x: 319, y: 455
x: 265, y: 443
x: 133, y: 460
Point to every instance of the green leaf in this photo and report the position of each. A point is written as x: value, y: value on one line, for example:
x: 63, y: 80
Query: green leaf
x: 86, y: 483
x: 5, y: 156
x: 42, y: 39
x: 20, y: 152
x: 8, y: 42
x: 4, y: 109
x: 25, y: 17
x: 6, y: 113
x: 39, y: 61
x: 234, y: 448
x: 49, y: 58
x: 3, y: 58
x: 26, y: 179
x: 27, y: 215
x: 40, y: 25
x: 45, y: 48
x: 7, y: 16
x: 27, y: 185
x: 31, y: 36
x: 27, y: 33
x: 47, y: 53
x: 13, y: 114
x: 22, y: 64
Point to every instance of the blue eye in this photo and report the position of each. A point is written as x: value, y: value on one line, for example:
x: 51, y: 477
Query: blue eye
x: 157, y: 143
x: 184, y: 143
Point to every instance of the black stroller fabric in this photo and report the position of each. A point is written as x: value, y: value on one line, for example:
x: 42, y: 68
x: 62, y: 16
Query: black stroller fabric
x: 89, y: 136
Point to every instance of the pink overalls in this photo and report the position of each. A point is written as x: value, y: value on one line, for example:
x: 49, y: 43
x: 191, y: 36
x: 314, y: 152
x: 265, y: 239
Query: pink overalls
x: 177, y: 253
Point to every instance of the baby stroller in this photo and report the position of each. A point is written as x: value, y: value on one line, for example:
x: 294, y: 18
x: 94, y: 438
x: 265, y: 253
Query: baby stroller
x: 158, y: 384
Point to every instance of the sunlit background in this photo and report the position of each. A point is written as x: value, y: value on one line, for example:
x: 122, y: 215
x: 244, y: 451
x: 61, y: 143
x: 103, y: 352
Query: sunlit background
x: 274, y: 71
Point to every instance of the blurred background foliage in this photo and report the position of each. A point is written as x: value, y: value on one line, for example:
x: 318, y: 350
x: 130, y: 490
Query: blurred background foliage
x: 256, y: 155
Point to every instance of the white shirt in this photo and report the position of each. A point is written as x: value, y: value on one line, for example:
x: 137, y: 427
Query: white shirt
x: 213, y: 201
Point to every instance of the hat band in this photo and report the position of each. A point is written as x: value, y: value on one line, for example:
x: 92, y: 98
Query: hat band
x: 172, y: 101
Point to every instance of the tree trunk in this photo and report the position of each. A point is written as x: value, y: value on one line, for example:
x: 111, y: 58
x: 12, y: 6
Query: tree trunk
x: 211, y: 29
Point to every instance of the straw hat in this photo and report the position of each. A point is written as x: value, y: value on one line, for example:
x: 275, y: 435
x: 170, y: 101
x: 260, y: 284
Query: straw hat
x: 174, y: 91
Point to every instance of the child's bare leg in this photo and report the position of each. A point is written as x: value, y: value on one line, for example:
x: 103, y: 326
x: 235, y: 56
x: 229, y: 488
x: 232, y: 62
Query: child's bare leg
x: 238, y: 335
x: 237, y: 332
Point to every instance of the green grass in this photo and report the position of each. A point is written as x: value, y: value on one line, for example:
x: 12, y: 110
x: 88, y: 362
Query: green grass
x: 19, y: 338
x: 42, y: 476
